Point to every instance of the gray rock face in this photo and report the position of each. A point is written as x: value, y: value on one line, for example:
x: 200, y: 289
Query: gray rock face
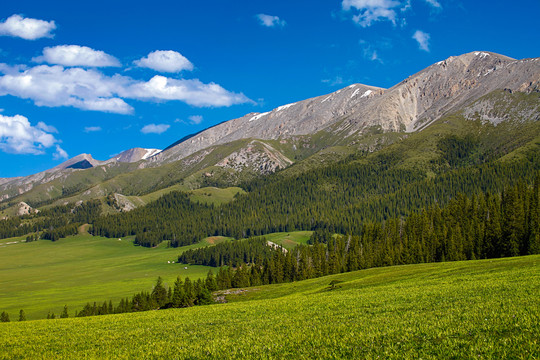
x: 25, y: 209
x: 301, y: 118
x: 447, y: 86
x: 408, y: 106
x: 257, y: 157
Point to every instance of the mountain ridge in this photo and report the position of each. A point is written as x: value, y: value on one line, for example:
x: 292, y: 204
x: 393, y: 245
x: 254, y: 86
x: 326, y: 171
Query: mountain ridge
x: 345, y: 116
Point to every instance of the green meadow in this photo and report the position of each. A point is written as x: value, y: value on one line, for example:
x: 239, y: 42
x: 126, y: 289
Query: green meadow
x: 289, y: 240
x: 484, y: 309
x: 44, y: 276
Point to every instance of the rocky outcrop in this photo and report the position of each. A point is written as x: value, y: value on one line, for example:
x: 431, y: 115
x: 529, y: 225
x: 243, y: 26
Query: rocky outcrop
x: 25, y: 209
x: 257, y: 157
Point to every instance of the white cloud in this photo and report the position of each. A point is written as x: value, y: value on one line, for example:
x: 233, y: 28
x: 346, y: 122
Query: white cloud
x: 370, y: 50
x: 192, y: 92
x: 92, y: 129
x: 434, y: 3
x: 270, y: 20
x: 407, y: 6
x: 47, y: 128
x: 338, y: 80
x: 371, y: 11
x: 54, y: 86
x: 423, y: 40
x: 18, y: 136
x: 75, y: 55
x: 89, y: 89
x: 195, y: 119
x: 165, y: 61
x: 27, y: 28
x: 60, y: 154
x: 155, y: 129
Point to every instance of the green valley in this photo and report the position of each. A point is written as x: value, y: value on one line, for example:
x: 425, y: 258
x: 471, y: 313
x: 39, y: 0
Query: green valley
x: 485, y: 309
x: 44, y: 276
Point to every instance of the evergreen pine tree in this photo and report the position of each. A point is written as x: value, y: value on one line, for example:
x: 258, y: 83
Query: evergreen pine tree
x: 159, y: 294
x: 22, y: 315
x: 64, y: 314
x: 178, y: 293
x: 189, y: 290
x: 4, y: 317
x: 534, y: 218
x: 211, y: 283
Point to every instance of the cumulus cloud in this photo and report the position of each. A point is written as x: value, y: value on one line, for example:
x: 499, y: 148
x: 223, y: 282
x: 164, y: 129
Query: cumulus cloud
x: 270, y: 20
x: 165, y: 61
x: 60, y: 154
x: 92, y: 129
x: 192, y: 92
x: 423, y: 39
x: 18, y: 136
x: 370, y: 11
x: 75, y: 87
x: 195, y: 119
x: 89, y: 89
x: 155, y: 129
x: 27, y: 28
x: 75, y: 55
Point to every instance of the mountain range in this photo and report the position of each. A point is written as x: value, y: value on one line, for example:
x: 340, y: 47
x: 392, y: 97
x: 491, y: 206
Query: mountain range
x: 478, y: 86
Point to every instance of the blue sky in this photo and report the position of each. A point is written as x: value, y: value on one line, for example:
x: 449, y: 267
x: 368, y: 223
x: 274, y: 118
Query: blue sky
x: 101, y: 77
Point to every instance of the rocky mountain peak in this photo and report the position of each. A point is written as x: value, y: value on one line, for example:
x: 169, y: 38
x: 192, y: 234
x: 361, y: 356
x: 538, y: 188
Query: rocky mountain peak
x: 411, y: 105
x: 135, y: 154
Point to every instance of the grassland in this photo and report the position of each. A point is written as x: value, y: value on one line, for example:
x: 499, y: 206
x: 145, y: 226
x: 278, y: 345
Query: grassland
x: 484, y: 309
x: 289, y: 240
x: 214, y: 195
x: 43, y: 275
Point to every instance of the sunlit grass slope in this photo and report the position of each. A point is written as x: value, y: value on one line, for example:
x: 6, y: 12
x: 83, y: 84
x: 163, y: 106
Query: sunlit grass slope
x: 289, y: 240
x: 44, y: 276
x: 486, y: 309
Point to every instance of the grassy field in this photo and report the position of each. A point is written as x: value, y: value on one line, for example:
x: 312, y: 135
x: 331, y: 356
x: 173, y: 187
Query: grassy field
x: 289, y: 240
x: 214, y: 195
x: 487, y: 309
x: 44, y: 275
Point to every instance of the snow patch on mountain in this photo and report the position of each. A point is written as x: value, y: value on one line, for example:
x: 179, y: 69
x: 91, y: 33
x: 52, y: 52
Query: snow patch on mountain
x: 258, y: 116
x: 283, y: 107
x: 366, y: 94
x: 150, y: 153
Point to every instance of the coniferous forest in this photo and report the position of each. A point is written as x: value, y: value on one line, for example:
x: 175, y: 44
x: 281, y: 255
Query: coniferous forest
x: 340, y: 198
x: 478, y: 227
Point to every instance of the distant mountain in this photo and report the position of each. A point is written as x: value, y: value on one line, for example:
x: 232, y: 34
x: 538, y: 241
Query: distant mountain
x: 136, y: 154
x: 312, y: 131
x: 408, y: 106
x: 10, y: 187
